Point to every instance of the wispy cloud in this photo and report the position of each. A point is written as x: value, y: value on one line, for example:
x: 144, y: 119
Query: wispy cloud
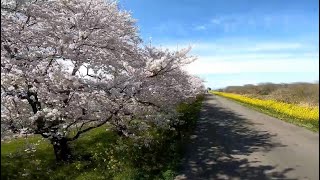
x: 223, y: 80
x: 275, y: 46
x: 238, y: 46
x: 280, y: 38
x: 169, y: 26
x: 216, y: 21
x: 234, y: 22
x: 229, y: 23
x: 200, y: 27
x: 204, y: 66
x: 252, y: 57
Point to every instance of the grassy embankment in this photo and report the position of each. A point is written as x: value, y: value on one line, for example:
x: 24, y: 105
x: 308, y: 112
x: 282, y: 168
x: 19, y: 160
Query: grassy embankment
x: 102, y: 154
x: 307, y: 117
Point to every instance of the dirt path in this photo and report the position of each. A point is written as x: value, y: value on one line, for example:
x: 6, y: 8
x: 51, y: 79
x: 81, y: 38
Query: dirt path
x: 235, y: 142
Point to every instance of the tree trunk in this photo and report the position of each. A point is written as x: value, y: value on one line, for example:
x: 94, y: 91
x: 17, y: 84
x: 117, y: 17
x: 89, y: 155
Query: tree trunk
x: 61, y: 149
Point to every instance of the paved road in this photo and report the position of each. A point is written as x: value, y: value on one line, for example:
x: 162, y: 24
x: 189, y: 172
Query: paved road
x: 235, y: 142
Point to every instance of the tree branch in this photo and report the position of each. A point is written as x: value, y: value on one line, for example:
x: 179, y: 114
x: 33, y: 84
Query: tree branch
x: 89, y: 128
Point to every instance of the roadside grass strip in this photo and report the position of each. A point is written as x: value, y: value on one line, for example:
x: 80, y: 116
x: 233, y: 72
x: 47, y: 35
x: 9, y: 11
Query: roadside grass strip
x: 303, y: 116
x: 102, y: 154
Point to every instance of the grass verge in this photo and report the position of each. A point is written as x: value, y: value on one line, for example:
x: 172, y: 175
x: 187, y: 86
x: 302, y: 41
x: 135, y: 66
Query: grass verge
x: 102, y: 154
x: 298, y: 115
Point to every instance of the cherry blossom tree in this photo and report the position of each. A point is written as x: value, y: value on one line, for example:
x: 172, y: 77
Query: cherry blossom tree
x: 74, y: 65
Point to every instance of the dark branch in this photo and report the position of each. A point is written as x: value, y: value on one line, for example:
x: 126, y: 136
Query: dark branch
x: 89, y: 128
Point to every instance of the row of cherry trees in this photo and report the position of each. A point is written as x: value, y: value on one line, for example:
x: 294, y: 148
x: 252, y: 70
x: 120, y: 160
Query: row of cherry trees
x: 74, y: 65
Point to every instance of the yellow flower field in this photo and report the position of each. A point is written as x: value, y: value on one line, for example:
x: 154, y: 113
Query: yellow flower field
x: 303, y: 114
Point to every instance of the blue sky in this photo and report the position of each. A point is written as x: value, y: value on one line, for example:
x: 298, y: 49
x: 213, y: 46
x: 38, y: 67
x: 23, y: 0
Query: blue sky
x: 236, y: 42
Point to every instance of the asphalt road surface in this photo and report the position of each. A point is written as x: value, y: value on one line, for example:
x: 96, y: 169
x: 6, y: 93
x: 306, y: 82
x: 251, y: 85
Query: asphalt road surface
x: 234, y: 142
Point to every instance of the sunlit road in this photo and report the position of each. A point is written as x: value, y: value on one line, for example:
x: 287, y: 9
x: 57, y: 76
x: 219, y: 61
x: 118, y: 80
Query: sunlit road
x: 234, y: 142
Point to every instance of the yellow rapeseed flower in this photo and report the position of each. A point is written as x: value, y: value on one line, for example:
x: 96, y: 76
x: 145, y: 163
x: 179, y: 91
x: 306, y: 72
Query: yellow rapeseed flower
x: 290, y: 110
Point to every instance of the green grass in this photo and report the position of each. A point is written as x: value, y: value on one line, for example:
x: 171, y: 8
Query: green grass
x: 310, y: 125
x: 102, y: 154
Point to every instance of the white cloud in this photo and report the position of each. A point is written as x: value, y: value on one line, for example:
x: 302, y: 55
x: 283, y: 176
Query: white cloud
x: 205, y: 65
x: 275, y: 46
x: 238, y: 46
x: 167, y: 27
x: 232, y: 22
x: 235, y: 21
x: 201, y: 27
x: 216, y: 21
x: 251, y: 57
x: 257, y: 57
x: 247, y: 47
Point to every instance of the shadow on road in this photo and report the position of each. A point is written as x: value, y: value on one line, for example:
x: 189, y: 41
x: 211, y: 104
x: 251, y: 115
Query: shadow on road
x: 220, y: 138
